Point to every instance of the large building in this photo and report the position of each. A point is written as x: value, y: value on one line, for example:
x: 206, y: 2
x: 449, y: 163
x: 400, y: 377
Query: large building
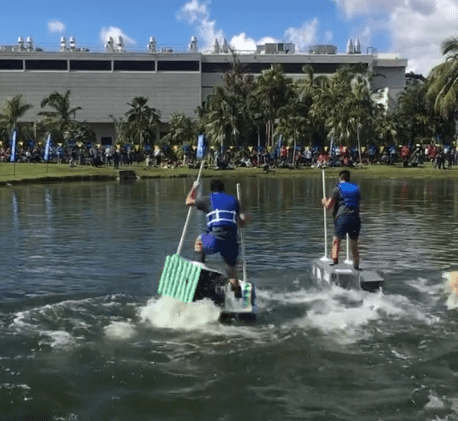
x: 103, y: 82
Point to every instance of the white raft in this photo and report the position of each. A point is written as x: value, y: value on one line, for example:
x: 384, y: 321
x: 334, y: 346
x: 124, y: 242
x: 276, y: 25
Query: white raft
x: 345, y: 276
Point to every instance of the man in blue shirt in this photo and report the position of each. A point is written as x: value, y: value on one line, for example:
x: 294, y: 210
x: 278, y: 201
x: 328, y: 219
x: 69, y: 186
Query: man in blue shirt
x: 345, y: 199
x: 224, y: 216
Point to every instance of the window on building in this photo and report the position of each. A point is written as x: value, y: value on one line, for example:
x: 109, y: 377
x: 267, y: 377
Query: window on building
x: 106, y: 140
x: 178, y: 66
x: 135, y: 66
x: 11, y: 65
x: 94, y: 65
x: 46, y: 65
x: 216, y: 67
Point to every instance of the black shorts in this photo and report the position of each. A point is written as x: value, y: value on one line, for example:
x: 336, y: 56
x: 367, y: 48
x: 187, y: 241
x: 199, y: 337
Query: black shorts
x: 347, y: 224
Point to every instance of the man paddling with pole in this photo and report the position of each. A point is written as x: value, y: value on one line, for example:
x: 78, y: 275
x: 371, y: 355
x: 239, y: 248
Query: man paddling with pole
x: 345, y: 199
x: 224, y: 216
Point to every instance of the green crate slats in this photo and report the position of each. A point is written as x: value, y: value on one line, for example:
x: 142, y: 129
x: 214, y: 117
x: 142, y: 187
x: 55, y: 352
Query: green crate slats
x: 179, y: 278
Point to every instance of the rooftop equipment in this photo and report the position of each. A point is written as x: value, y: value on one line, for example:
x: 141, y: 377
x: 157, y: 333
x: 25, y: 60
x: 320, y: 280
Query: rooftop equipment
x: 193, y: 45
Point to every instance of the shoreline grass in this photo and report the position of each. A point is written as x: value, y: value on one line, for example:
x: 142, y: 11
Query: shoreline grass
x: 42, y: 173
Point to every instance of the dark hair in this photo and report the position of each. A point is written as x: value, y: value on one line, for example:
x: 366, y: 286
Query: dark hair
x: 344, y: 175
x: 216, y: 186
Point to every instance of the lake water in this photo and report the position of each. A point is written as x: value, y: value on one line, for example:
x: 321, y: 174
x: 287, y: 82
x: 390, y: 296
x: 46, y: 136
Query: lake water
x: 84, y: 336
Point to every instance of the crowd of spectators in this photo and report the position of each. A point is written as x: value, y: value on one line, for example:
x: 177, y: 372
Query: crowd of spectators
x: 440, y: 156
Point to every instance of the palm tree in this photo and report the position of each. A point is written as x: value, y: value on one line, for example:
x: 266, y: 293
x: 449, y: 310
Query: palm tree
x: 62, y: 119
x: 274, y: 91
x: 222, y: 117
x: 142, y: 120
x: 13, y: 109
x: 82, y: 133
x: 181, y: 130
x: 443, y: 79
x: 120, y: 128
x: 293, y: 121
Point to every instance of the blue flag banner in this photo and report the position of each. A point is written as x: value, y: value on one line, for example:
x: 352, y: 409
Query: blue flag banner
x: 13, y: 146
x: 47, y: 146
x: 201, y: 147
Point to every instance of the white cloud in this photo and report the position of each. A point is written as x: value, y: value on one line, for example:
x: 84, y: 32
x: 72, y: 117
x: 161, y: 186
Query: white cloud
x: 353, y: 8
x: 304, y: 36
x: 416, y: 27
x: 55, y: 26
x: 115, y: 33
x: 328, y: 36
x: 198, y: 13
x: 242, y: 43
x: 418, y: 36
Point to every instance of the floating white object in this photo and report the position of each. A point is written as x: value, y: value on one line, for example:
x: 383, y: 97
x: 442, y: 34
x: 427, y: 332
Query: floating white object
x: 345, y: 276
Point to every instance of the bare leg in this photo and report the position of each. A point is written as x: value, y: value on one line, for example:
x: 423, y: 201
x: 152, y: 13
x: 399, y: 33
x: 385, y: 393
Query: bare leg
x: 335, y: 249
x: 199, y: 248
x: 355, y: 252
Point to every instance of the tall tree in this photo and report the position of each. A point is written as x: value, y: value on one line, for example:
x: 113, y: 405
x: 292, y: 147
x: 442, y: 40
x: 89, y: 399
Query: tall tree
x: 181, y: 130
x: 62, y: 118
x: 13, y: 109
x: 274, y: 91
x: 443, y: 80
x: 222, y: 117
x: 142, y: 120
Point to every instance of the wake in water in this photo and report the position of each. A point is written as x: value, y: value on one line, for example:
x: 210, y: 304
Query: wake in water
x: 167, y: 312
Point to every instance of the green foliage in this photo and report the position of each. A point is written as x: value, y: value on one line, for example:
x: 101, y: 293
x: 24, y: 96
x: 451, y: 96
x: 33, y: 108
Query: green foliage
x: 141, y: 121
x: 13, y: 109
x: 61, y: 119
x: 181, y: 130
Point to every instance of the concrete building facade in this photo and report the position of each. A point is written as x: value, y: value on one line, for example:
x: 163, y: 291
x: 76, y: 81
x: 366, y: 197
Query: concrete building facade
x: 102, y: 83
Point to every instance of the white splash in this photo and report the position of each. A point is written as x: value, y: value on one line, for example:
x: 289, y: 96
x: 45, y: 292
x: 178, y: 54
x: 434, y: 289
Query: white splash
x: 58, y: 339
x: 119, y: 330
x: 167, y: 312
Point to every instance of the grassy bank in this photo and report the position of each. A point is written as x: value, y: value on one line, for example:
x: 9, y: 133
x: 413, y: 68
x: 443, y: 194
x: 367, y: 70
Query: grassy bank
x: 29, y: 173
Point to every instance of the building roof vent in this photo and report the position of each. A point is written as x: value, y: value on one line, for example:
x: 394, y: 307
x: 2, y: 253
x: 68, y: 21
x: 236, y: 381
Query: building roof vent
x: 350, y: 49
x: 193, y: 45
x: 357, y: 46
x: 120, y: 44
x: 216, y: 49
x: 152, y: 45
x: 29, y: 44
x: 225, y: 47
x: 323, y: 49
x: 109, y: 46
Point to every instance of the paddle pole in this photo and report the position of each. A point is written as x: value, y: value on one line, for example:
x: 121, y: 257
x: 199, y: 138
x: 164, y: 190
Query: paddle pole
x: 242, y: 242
x: 348, y: 261
x: 325, y: 257
x: 188, y: 217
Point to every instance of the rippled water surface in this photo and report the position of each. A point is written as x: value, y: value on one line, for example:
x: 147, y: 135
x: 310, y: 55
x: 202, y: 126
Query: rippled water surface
x: 84, y: 336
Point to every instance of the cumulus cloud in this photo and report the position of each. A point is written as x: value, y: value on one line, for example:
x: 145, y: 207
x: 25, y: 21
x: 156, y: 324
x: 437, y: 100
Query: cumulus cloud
x: 353, y: 8
x: 55, y: 26
x: 304, y: 36
x: 416, y: 27
x: 115, y: 33
x: 197, y: 13
x: 418, y: 36
x: 328, y: 36
x: 243, y: 43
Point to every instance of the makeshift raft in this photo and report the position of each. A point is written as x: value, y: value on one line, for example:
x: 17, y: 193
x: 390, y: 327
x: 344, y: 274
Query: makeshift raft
x: 190, y: 281
x: 345, y: 276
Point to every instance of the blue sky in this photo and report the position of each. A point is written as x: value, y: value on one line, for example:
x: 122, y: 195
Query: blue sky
x: 412, y: 28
